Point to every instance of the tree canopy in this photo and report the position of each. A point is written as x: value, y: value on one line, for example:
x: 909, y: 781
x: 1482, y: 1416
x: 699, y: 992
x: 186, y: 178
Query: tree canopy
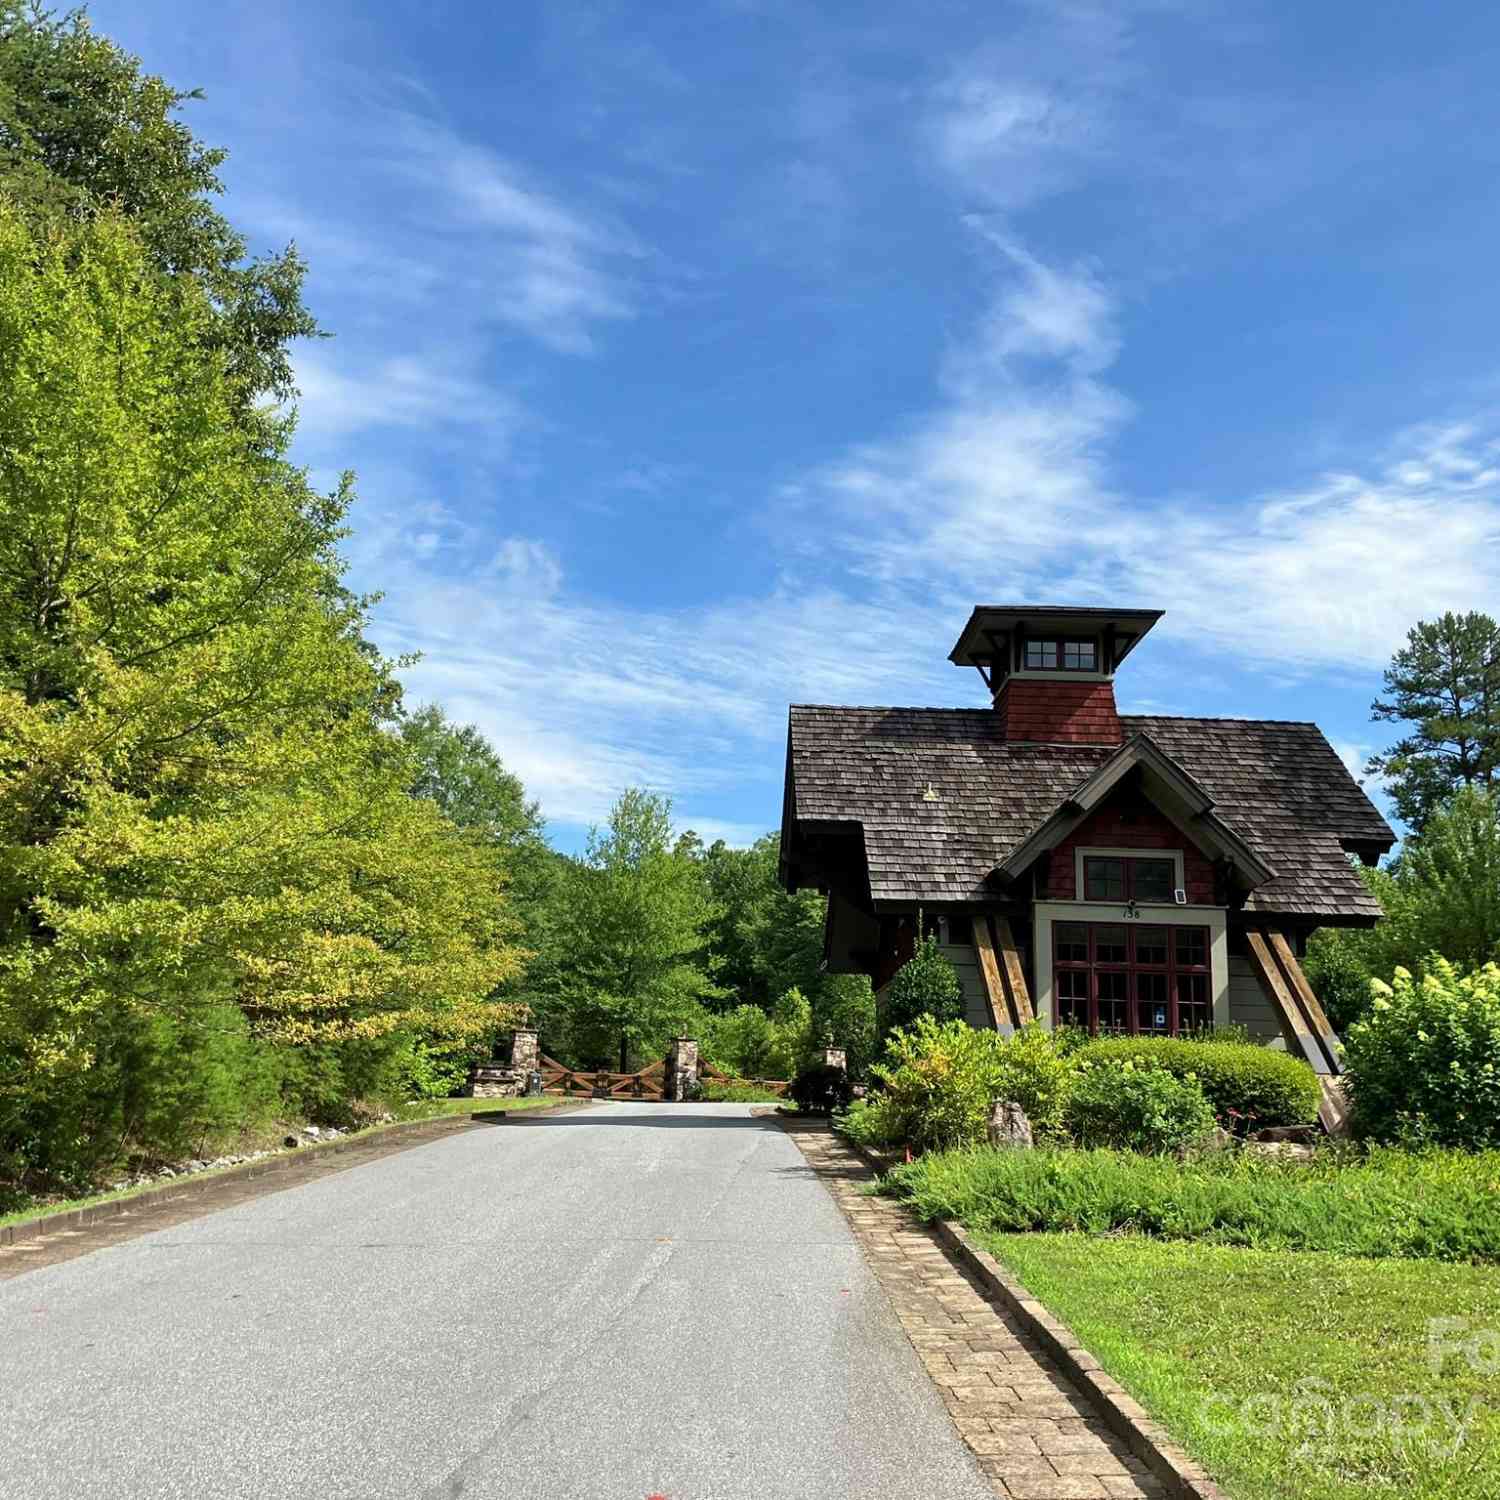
x: 1446, y: 683
x: 82, y: 127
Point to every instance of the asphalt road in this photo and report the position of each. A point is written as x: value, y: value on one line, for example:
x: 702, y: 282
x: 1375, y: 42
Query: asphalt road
x: 635, y: 1301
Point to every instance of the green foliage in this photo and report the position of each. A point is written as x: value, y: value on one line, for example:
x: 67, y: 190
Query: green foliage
x: 748, y: 1043
x: 1035, y: 1069
x: 1248, y: 1086
x: 1441, y: 1205
x: 1338, y: 974
x: 925, y: 985
x: 82, y: 128
x: 159, y: 1088
x: 459, y: 770
x: 197, y: 802
x: 1136, y: 1109
x: 1424, y: 1061
x: 1446, y: 682
x: 843, y: 1015
x: 872, y: 1122
x: 737, y: 1093
x: 821, y: 1088
x: 937, y: 1082
x: 767, y: 940
x: 1445, y: 894
x: 627, y: 958
x: 1442, y: 897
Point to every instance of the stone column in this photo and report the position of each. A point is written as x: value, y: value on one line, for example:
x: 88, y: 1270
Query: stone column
x: 836, y: 1057
x: 681, y: 1080
x: 525, y: 1050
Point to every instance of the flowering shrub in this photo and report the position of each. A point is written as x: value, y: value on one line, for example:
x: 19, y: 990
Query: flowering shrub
x: 1424, y: 1061
x: 1137, y: 1109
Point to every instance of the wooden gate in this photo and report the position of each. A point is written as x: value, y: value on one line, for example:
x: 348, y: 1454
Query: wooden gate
x: 649, y: 1083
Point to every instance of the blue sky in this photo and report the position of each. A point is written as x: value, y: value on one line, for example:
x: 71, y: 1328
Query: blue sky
x: 700, y: 358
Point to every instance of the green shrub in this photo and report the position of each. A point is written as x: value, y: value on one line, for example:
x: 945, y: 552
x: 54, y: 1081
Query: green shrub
x: 1442, y: 1205
x: 925, y: 985
x: 821, y: 1088
x: 872, y: 1122
x: 1136, y: 1109
x: 158, y: 1087
x: 938, y: 1081
x: 1336, y: 969
x: 737, y: 1093
x: 1249, y: 1086
x: 746, y: 1042
x: 1424, y: 1062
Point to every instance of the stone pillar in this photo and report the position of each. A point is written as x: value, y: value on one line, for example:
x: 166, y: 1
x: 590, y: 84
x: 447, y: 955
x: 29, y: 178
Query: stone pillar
x: 525, y: 1050
x: 509, y: 1080
x: 681, y: 1081
x: 836, y: 1057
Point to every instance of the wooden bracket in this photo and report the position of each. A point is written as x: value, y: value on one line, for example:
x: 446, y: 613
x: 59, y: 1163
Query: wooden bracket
x: 1004, y: 979
x: 1303, y: 1019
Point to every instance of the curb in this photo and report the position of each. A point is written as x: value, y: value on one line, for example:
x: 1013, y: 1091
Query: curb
x: 1122, y: 1414
x: 183, y: 1187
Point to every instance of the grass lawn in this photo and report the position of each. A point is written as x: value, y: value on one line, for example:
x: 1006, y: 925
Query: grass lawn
x: 420, y: 1109
x: 1289, y: 1374
x: 432, y: 1109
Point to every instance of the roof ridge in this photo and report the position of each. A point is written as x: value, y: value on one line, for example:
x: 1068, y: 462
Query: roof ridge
x: 1226, y: 719
x: 896, y: 708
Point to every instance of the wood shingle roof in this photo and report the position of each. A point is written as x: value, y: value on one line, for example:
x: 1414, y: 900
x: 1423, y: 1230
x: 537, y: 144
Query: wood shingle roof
x: 943, y: 798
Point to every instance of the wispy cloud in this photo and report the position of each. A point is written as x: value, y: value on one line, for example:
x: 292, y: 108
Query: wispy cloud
x: 1004, y: 485
x: 547, y: 268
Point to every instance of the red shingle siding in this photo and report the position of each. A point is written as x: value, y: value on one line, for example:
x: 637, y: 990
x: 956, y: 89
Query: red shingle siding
x: 1059, y: 713
x: 1126, y: 822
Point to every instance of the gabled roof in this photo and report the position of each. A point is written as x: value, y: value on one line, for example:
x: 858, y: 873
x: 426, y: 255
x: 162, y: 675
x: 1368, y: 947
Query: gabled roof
x: 1139, y: 753
x: 1277, y: 786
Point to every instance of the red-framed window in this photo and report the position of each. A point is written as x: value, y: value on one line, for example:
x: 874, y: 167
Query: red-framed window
x: 1110, y: 877
x: 1132, y: 978
x: 1080, y: 654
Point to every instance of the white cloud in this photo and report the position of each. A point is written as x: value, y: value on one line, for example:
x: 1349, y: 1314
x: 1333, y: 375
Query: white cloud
x: 539, y: 264
x: 1003, y: 488
x: 341, y: 397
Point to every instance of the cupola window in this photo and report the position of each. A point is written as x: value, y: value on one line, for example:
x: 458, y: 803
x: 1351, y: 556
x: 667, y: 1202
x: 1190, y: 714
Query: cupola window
x: 1063, y: 656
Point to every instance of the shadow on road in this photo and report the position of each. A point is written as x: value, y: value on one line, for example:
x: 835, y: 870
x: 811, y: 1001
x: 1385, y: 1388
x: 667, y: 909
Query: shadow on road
x: 706, y: 1119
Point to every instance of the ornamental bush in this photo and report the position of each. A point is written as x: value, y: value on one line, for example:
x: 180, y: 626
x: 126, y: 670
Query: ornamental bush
x: 927, y: 984
x: 1249, y: 1086
x: 821, y: 1088
x: 1424, y: 1062
x: 938, y: 1081
x: 1143, y: 1109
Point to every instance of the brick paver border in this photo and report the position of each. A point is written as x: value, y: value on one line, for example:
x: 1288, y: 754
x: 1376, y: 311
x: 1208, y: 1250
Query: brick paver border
x: 1041, y: 1418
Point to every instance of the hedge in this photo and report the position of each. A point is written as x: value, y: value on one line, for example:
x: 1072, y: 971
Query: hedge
x: 1245, y: 1083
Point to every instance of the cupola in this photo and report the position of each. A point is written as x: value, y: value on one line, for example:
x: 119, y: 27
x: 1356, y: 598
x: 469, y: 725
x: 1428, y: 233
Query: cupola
x: 1050, y: 668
